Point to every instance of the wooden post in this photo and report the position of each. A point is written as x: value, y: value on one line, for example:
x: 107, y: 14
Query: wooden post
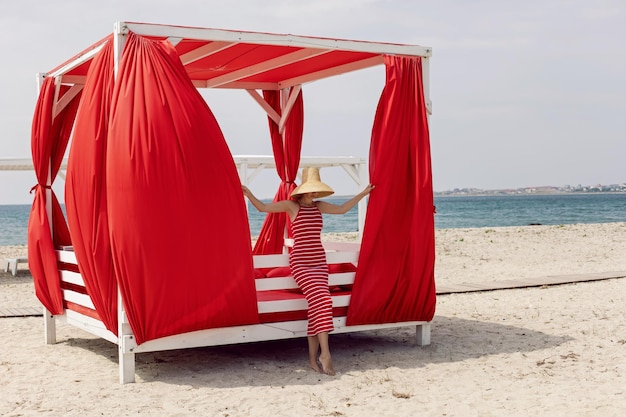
x: 125, y: 337
x: 49, y: 324
x: 125, y: 344
x: 49, y: 327
x: 423, y: 334
x: 426, y: 86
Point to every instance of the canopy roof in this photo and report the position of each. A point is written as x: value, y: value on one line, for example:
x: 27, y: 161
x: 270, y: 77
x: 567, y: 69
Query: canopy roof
x: 216, y: 58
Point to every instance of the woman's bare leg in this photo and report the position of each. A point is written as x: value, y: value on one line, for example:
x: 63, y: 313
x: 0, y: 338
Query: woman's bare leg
x: 314, y: 347
x: 325, y: 359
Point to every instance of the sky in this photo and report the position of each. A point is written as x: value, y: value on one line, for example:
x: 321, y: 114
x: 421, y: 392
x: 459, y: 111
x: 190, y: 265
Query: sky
x: 524, y: 93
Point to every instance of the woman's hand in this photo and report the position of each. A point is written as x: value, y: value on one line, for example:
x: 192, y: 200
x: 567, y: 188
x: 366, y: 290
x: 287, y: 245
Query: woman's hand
x: 329, y: 208
x: 246, y: 191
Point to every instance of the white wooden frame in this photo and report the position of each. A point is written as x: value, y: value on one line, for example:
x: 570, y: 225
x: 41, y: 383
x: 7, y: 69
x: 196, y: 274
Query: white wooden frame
x: 222, y: 39
x: 249, y: 167
x: 127, y: 344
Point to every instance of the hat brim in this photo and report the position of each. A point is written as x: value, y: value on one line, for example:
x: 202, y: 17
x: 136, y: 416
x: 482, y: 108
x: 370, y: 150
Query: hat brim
x: 320, y: 188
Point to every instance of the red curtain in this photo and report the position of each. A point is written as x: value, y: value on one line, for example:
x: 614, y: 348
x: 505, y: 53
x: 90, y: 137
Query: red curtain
x: 85, y: 189
x: 395, y: 277
x: 49, y: 139
x: 287, y: 158
x: 179, y: 232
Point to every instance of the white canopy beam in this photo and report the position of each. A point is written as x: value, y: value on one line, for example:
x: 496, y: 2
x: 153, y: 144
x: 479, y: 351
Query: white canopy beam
x: 78, y: 61
x: 426, y: 84
x: 331, y: 72
x: 264, y: 66
x: 273, y: 114
x: 293, y: 95
x: 55, y: 100
x: 174, y: 40
x: 353, y: 172
x: 67, y: 98
x: 204, y: 51
x: 239, y: 85
x: 259, y: 38
x: 281, y: 119
x: 73, y: 79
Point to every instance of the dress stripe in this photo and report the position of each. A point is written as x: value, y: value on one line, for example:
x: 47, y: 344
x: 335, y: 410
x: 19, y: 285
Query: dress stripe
x: 307, y: 261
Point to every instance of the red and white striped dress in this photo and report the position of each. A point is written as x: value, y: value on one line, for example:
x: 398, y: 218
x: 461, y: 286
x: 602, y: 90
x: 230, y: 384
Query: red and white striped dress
x: 307, y: 261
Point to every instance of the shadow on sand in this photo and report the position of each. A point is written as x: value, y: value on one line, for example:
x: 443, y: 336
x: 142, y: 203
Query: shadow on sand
x: 284, y: 362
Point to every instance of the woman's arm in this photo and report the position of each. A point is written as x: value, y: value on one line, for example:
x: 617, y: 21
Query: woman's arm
x: 284, y: 206
x: 328, y: 208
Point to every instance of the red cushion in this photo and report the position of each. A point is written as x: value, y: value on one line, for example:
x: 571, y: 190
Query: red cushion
x: 258, y: 273
x: 281, y: 271
x: 339, y: 268
x: 264, y: 271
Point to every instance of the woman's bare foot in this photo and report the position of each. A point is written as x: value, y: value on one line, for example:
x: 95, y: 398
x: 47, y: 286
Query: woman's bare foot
x: 315, y: 366
x: 327, y: 365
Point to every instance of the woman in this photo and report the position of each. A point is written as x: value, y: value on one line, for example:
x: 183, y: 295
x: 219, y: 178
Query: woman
x: 307, y: 259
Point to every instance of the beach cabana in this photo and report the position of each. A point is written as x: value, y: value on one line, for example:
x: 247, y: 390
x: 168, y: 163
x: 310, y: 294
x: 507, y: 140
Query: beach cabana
x: 155, y: 251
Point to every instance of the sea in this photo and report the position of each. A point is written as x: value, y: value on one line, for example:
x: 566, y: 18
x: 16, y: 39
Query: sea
x: 452, y: 212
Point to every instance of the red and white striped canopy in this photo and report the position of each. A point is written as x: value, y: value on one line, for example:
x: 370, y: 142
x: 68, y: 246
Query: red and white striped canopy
x: 217, y: 58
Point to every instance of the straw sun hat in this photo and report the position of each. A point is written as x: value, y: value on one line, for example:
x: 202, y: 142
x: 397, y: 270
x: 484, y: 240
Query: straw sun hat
x: 311, y: 183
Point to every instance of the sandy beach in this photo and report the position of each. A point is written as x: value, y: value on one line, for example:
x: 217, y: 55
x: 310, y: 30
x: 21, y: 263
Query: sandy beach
x: 545, y: 351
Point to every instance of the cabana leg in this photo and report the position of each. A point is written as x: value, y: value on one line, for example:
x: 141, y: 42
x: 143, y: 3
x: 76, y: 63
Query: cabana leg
x: 49, y: 327
x: 127, y: 363
x: 125, y: 344
x: 423, y: 334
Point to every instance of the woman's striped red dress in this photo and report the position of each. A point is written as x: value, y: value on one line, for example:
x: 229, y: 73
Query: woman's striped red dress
x: 307, y: 261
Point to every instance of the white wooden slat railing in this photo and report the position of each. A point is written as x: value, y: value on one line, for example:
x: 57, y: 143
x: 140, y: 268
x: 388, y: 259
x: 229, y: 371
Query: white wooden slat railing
x: 220, y: 336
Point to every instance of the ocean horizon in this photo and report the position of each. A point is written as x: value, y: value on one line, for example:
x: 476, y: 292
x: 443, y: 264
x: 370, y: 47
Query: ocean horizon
x: 453, y: 212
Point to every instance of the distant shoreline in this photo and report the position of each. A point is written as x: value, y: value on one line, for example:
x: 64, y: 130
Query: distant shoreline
x: 474, y: 193
x: 491, y: 193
